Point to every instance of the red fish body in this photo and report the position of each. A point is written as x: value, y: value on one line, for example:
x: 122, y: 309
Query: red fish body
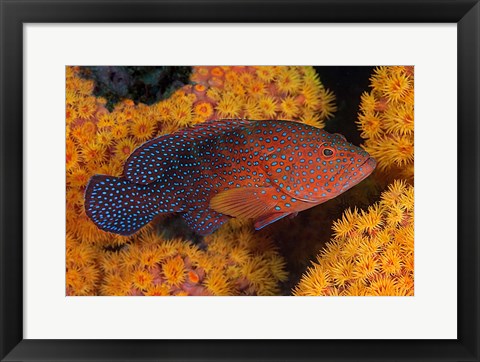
x: 264, y: 170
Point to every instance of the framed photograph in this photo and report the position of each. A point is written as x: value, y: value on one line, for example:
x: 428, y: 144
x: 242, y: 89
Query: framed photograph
x: 236, y: 180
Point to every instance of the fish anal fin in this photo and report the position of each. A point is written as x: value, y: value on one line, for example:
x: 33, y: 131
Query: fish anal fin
x: 204, y: 221
x: 268, y: 219
x: 244, y: 202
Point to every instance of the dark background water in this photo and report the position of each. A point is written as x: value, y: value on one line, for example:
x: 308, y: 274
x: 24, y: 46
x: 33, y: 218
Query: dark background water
x: 347, y: 83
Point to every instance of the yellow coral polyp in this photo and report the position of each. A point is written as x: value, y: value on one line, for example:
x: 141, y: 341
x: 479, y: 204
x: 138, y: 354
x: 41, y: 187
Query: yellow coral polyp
x: 77, y: 177
x: 72, y: 155
x: 158, y: 290
x: 368, y: 102
x: 369, y: 260
x: 366, y: 266
x: 229, y: 106
x: 290, y: 107
x: 342, y: 272
x: 268, y: 107
x: 217, y: 283
x: 85, y: 108
x: 371, y: 123
x: 256, y: 88
x: 115, y: 285
x: 383, y: 286
x: 345, y: 225
x: 150, y: 256
x: 327, y: 104
x: 120, y: 131
x: 311, y: 96
x: 141, y: 279
x: 110, y: 262
x: 174, y: 270
x: 266, y: 73
x: 395, y: 192
x: 288, y: 80
x: 252, y: 109
x: 391, y: 262
x: 399, y: 120
x: 396, y: 86
x: 125, y: 147
x: 94, y: 152
x: 245, y: 77
x: 142, y: 129
x: 182, y: 113
x: 370, y: 220
x: 105, y: 138
x: 204, y: 109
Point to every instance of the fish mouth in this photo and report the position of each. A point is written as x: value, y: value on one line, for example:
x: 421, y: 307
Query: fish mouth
x: 367, y: 168
x: 370, y: 162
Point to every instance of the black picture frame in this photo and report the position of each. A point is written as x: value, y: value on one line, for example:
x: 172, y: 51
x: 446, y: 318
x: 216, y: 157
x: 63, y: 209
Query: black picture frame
x: 14, y: 13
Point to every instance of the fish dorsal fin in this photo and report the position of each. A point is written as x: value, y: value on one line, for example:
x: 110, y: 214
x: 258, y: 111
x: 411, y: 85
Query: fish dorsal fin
x: 286, y: 170
x: 244, y: 202
x: 152, y: 160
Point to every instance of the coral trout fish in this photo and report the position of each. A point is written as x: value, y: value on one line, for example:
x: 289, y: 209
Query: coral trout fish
x: 262, y: 170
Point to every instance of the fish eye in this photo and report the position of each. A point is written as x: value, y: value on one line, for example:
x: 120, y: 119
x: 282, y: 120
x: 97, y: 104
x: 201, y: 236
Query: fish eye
x: 327, y: 152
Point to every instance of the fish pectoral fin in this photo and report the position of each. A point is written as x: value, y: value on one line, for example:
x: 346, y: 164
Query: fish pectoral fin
x: 244, y: 202
x: 265, y: 220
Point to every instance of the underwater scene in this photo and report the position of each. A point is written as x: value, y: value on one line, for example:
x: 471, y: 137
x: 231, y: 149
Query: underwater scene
x: 239, y: 181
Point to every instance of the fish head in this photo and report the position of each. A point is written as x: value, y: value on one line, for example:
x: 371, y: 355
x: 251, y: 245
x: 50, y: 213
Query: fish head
x: 343, y: 165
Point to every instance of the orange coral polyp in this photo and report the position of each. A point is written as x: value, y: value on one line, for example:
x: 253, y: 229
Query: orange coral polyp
x: 266, y: 73
x: 125, y: 147
x: 193, y: 277
x: 142, y: 279
x: 217, y: 283
x: 290, y: 107
x: 94, y: 153
x: 216, y: 72
x: 174, y: 271
x: 268, y: 107
x: 72, y: 156
x: 204, y: 109
x: 229, y: 106
x: 288, y: 80
x: 142, y: 129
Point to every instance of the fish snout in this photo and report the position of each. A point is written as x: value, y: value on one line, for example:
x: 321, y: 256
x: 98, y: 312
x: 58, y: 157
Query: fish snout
x: 366, y: 168
x: 369, y: 165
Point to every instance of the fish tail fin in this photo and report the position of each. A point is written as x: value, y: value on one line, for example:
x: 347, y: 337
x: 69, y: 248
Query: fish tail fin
x: 119, y: 206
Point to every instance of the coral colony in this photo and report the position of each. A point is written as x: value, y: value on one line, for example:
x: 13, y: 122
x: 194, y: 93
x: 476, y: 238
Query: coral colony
x: 370, y: 251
